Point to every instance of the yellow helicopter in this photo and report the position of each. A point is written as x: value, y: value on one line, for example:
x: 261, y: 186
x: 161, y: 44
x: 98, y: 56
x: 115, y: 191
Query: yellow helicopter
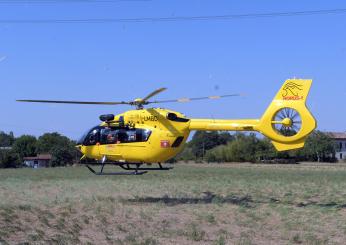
x: 154, y: 135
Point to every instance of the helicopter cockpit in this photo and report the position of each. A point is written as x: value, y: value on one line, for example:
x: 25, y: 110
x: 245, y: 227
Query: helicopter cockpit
x: 114, y: 135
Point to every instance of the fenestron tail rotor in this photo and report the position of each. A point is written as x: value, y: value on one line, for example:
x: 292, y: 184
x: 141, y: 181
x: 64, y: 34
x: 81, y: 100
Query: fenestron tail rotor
x: 287, y: 122
x: 139, y: 103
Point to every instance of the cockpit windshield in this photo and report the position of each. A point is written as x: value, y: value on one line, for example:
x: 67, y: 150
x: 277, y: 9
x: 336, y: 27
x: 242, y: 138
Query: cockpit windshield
x: 81, y: 140
x: 91, y: 137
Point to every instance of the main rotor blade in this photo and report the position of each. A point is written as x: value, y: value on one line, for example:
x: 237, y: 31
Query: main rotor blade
x: 75, y: 102
x: 154, y: 93
x: 183, y: 100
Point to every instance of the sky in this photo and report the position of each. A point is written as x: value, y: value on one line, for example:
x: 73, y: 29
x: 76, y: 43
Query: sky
x: 124, y: 61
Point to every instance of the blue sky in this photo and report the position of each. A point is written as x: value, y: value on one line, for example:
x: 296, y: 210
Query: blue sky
x: 122, y: 61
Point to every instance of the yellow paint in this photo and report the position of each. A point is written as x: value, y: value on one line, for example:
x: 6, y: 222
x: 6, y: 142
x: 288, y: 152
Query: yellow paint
x: 292, y: 94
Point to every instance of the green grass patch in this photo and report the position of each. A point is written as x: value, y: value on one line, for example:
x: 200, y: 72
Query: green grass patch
x: 250, y: 204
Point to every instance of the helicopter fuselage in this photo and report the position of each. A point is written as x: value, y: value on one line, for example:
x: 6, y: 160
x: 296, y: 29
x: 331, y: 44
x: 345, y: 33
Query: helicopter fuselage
x: 139, y: 136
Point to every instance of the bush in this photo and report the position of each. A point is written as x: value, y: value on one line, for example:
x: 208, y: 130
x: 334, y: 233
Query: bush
x: 9, y: 159
x: 243, y: 149
x: 203, y: 141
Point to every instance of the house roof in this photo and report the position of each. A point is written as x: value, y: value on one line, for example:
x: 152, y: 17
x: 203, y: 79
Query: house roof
x: 40, y: 157
x: 337, y: 135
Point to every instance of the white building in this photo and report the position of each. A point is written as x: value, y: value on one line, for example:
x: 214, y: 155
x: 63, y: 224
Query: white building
x: 6, y: 148
x: 340, y: 142
x: 40, y: 161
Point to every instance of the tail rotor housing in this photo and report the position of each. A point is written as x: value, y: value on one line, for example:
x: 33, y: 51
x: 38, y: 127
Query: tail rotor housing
x: 288, y: 121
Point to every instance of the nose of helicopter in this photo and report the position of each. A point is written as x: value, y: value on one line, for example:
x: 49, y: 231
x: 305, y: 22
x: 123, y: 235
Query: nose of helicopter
x: 80, y: 148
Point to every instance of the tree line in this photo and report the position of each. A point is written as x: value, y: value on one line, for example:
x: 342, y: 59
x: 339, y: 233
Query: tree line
x: 240, y: 147
x: 204, y: 147
x: 14, y: 150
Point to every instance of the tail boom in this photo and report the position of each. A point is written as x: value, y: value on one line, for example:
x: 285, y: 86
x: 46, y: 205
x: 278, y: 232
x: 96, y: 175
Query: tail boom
x: 224, y: 125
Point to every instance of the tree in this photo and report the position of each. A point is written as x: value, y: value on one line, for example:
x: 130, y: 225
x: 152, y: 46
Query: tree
x: 60, y: 147
x: 48, y: 141
x: 318, y: 147
x: 186, y: 155
x: 265, y: 150
x: 8, y: 159
x: 243, y: 148
x: 25, y: 146
x: 203, y: 141
x: 6, y: 140
x: 62, y: 155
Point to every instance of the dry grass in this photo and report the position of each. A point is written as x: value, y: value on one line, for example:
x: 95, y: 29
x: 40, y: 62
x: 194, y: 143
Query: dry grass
x: 192, y: 204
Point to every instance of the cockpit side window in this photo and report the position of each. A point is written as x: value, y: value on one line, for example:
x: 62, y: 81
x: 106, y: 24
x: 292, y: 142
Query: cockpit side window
x: 114, y: 135
x: 123, y: 135
x: 109, y: 136
x: 143, y: 134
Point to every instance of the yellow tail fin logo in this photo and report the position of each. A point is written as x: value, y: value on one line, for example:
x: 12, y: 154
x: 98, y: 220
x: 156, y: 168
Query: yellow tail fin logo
x: 291, y: 91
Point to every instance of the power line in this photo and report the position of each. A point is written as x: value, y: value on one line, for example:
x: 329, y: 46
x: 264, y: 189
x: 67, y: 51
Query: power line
x: 65, y: 1
x: 173, y: 19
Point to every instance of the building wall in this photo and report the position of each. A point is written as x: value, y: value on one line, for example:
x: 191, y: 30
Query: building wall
x: 36, y: 163
x: 340, y: 152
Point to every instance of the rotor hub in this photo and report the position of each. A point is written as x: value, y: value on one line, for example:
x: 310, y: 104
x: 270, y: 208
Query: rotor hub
x: 287, y: 122
x: 139, y: 100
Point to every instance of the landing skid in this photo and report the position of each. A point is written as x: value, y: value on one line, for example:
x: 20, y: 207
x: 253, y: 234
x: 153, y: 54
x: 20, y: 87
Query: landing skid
x: 116, y: 173
x: 126, y: 166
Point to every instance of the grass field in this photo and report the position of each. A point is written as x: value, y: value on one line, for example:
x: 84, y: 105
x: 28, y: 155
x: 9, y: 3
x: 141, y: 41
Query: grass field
x: 192, y: 204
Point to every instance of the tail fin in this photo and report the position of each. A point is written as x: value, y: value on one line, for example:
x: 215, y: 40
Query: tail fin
x: 287, y: 121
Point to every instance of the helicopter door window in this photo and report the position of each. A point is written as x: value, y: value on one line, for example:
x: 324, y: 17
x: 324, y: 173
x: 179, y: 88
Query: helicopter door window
x: 109, y: 136
x: 131, y: 135
x: 134, y: 135
x: 116, y: 136
x: 122, y: 136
